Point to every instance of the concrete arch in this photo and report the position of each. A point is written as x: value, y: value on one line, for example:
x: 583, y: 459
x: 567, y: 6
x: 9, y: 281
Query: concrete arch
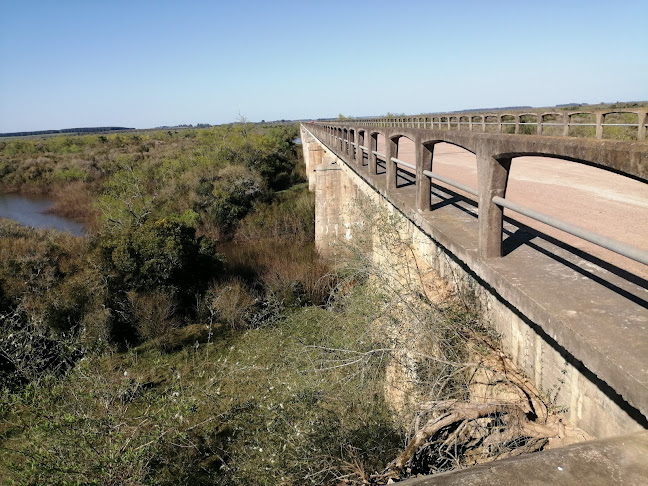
x: 434, y: 141
x: 620, y: 111
x: 586, y: 161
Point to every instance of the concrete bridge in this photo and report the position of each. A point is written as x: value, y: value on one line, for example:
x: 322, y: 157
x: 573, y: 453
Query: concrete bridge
x: 569, y: 297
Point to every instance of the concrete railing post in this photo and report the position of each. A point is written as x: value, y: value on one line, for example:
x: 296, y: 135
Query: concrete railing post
x: 539, y: 131
x: 566, y: 121
x: 599, y: 125
x: 391, y: 150
x: 424, y: 161
x: 359, y: 151
x: 346, y: 143
x: 499, y: 123
x: 642, y: 119
x: 373, y: 147
x: 493, y: 178
x: 483, y: 123
x: 517, y: 124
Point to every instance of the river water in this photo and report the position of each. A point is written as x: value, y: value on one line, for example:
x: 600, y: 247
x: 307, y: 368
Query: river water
x: 29, y: 210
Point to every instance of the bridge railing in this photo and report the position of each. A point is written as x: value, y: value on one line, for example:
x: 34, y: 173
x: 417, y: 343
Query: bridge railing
x: 614, y: 124
x: 494, y: 155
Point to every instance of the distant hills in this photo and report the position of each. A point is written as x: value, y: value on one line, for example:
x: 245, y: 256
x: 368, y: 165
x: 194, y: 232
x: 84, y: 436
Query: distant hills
x: 66, y: 130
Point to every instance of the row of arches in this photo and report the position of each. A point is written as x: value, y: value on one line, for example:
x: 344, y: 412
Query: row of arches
x: 613, y: 124
x: 462, y: 164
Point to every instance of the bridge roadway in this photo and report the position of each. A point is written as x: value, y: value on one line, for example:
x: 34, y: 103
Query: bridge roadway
x: 589, y: 305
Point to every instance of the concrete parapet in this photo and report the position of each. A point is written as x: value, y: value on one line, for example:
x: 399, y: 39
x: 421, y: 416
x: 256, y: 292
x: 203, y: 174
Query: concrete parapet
x: 619, y: 460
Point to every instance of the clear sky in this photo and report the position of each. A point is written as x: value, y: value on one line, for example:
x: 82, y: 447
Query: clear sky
x: 141, y: 63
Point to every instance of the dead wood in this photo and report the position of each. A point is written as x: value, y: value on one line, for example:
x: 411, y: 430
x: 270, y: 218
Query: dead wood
x: 460, y: 413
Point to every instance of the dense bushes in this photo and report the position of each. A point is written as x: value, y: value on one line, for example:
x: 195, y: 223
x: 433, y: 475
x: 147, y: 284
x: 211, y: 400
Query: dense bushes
x: 167, y: 347
x: 157, y: 205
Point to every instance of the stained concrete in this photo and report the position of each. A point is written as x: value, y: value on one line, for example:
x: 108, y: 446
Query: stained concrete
x: 619, y: 461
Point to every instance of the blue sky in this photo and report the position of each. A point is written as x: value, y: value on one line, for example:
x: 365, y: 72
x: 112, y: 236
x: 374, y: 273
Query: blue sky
x: 142, y: 64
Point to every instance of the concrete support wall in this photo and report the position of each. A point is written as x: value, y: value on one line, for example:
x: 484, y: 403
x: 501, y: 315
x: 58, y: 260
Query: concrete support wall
x: 588, y: 403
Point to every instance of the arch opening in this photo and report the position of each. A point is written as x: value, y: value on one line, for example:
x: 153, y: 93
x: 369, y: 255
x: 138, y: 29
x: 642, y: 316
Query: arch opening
x: 508, y: 123
x: 582, y: 125
x: 552, y: 124
x: 589, y: 197
x: 620, y: 125
x: 492, y: 123
x: 528, y: 124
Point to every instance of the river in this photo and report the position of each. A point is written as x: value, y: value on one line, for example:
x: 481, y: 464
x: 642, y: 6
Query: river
x: 29, y: 210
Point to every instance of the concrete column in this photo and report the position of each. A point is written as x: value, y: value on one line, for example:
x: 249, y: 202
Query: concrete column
x: 539, y: 124
x: 360, y: 142
x: 493, y: 178
x: 599, y: 125
x: 566, y: 121
x: 307, y: 142
x: 391, y: 150
x: 449, y: 125
x: 348, y: 145
x: 470, y: 123
x: 424, y: 161
x: 315, y: 154
x: 327, y: 199
x: 483, y: 123
x: 517, y: 124
x: 499, y: 123
x: 373, y: 146
x: 345, y: 146
x: 641, y: 130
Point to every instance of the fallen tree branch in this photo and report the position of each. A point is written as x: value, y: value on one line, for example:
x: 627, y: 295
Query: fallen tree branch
x: 461, y: 412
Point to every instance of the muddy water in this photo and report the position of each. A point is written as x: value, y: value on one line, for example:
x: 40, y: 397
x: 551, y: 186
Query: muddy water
x: 29, y: 210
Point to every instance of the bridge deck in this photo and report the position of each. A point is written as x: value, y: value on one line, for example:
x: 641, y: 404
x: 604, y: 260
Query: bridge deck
x: 593, y: 308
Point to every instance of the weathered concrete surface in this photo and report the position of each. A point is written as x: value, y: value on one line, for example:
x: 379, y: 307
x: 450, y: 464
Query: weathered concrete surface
x: 577, y: 327
x: 592, y: 198
x: 620, y: 460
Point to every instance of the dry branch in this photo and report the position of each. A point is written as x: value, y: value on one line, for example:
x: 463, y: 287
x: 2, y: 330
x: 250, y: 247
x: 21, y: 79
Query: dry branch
x: 459, y: 413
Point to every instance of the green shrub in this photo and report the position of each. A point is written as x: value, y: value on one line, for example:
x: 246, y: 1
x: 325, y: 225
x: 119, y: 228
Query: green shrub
x: 159, y: 254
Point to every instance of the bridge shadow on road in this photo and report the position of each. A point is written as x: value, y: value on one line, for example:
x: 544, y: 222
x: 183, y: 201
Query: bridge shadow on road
x: 517, y: 235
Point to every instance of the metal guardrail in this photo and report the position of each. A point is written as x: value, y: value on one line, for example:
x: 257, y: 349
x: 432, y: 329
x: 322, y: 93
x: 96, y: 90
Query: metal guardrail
x: 616, y: 246
x: 402, y: 162
x: 451, y: 182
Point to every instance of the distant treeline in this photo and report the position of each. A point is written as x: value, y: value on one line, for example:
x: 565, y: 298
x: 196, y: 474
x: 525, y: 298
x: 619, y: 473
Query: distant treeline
x: 65, y: 130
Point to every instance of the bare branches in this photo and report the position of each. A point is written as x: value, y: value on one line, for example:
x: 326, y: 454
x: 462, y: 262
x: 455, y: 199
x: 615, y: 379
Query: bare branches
x: 459, y: 414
